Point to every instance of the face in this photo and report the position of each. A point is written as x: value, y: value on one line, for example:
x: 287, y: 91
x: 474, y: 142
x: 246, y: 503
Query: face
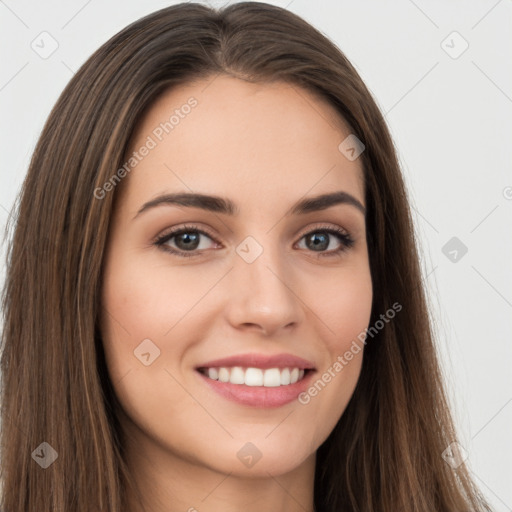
x: 273, y: 281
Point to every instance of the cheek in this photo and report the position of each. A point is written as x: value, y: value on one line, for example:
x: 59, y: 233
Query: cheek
x: 344, y: 310
x: 139, y: 308
x: 345, y: 307
x: 145, y: 299
x: 138, y: 305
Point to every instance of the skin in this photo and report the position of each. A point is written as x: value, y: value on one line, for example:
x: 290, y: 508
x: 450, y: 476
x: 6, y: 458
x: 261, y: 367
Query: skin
x: 264, y: 146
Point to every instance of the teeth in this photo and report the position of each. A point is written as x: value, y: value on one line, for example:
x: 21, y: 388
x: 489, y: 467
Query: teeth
x: 270, y: 378
x: 253, y: 377
x: 223, y: 374
x: 237, y: 375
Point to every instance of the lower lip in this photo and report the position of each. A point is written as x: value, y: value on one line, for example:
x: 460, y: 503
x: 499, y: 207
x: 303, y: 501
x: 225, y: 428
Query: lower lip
x: 259, y: 396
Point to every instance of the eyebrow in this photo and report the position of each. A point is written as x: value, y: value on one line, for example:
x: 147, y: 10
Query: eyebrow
x: 226, y: 206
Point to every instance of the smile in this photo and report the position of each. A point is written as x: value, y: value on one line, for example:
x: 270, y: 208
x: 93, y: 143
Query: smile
x: 270, y: 377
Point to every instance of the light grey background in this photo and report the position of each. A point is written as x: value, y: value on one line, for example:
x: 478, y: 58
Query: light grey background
x: 450, y: 116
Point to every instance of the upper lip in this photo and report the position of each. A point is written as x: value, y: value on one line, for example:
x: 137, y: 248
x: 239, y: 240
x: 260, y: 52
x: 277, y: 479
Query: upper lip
x: 262, y: 361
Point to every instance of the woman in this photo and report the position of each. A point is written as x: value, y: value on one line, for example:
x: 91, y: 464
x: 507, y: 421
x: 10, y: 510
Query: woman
x: 213, y: 298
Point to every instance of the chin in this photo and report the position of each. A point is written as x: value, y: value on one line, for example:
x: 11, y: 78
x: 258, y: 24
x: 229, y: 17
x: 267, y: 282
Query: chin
x: 259, y: 459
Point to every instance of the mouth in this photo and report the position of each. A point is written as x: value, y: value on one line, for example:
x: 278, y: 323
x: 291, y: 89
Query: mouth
x: 250, y: 376
x: 256, y: 387
x: 258, y: 379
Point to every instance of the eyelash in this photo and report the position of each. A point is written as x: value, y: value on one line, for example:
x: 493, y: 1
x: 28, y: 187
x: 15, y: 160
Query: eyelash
x: 346, y: 240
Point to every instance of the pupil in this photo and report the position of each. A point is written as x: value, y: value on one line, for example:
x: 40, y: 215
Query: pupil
x: 189, y: 241
x: 320, y: 243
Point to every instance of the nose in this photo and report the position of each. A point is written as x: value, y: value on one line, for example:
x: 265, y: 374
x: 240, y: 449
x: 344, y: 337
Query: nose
x: 263, y: 295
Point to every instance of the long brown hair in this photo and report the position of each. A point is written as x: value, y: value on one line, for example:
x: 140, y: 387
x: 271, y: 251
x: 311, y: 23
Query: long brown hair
x: 385, y: 453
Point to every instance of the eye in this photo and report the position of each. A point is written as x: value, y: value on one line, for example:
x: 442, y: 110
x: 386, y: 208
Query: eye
x: 320, y: 239
x: 188, y: 241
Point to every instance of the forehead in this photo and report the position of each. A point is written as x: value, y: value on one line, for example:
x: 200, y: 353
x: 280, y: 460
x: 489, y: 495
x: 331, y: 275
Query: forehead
x: 229, y: 137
